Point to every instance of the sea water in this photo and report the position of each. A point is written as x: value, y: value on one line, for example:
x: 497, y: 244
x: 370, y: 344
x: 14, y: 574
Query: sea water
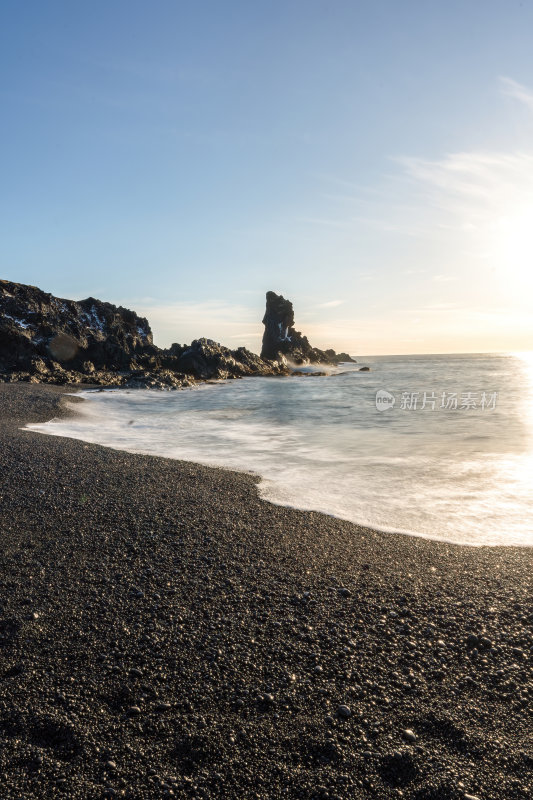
x: 433, y: 446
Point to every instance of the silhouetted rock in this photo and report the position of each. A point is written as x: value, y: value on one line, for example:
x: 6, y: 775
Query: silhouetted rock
x: 48, y: 339
x: 38, y: 330
x: 208, y: 359
x: 340, y: 358
x: 281, y: 340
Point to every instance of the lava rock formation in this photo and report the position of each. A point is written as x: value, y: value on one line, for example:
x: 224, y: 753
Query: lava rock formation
x: 281, y: 340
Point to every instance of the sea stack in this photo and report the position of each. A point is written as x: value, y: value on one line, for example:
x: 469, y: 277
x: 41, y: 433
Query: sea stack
x: 281, y: 340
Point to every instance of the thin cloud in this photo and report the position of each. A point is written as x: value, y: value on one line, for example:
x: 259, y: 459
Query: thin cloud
x: 386, y: 226
x: 329, y: 223
x: 330, y: 304
x: 517, y: 91
x: 476, y: 189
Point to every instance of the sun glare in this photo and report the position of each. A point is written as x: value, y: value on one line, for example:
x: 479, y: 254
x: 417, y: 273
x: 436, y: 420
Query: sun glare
x: 515, y: 246
x: 526, y: 368
x: 526, y: 356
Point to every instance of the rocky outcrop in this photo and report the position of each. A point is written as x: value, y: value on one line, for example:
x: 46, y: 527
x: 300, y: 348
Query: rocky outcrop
x: 208, y: 359
x: 36, y: 327
x: 282, y: 341
x: 48, y: 339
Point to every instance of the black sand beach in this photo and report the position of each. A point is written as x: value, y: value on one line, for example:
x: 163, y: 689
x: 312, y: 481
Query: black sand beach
x: 164, y: 632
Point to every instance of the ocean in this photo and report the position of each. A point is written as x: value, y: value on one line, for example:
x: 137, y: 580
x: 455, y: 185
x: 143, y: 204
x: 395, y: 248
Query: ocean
x: 434, y: 446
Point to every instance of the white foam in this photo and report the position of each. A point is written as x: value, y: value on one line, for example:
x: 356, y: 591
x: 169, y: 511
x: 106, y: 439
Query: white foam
x: 319, y: 444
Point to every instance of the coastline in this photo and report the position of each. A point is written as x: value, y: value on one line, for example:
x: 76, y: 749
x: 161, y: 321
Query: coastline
x: 165, y: 632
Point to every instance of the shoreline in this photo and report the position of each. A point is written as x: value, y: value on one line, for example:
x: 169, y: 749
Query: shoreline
x: 165, y: 632
x: 257, y: 476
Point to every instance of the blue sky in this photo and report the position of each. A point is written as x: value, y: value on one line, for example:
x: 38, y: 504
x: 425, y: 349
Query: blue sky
x: 371, y: 161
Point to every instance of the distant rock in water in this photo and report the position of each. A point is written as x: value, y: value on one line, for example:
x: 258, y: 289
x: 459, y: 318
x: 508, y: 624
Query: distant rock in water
x: 48, y: 339
x: 281, y: 340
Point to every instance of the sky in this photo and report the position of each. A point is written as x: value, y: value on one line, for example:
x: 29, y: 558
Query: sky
x: 373, y: 162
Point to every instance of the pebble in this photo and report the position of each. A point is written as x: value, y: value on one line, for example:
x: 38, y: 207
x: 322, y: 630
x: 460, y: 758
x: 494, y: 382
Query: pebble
x: 344, y: 712
x: 344, y: 592
x: 201, y: 619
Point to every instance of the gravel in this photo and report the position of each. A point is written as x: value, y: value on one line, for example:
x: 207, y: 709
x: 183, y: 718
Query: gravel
x: 161, y: 629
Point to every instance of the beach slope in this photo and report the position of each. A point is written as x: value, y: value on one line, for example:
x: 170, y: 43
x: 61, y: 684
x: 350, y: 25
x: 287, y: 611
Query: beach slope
x: 164, y: 632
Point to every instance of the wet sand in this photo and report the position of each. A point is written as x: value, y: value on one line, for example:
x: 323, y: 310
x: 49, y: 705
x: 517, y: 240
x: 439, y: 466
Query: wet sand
x: 164, y: 632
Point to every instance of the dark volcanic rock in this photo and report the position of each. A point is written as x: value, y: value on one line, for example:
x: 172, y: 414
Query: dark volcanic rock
x: 281, y: 340
x: 46, y: 339
x: 41, y: 334
x: 208, y: 359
